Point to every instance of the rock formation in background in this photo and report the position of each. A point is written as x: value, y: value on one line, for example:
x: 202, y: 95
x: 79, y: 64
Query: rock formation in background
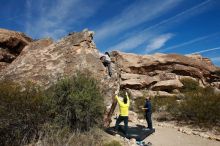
x: 11, y: 44
x: 161, y: 73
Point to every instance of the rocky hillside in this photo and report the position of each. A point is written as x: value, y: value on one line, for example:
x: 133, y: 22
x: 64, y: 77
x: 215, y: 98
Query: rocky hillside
x: 161, y: 73
x: 44, y: 62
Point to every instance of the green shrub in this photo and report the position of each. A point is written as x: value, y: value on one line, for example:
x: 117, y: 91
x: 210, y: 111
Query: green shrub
x: 21, y: 113
x: 78, y: 102
x: 64, y: 136
x: 189, y: 85
x: 158, y: 103
x: 198, y: 105
x: 71, y: 104
x: 113, y: 143
x: 139, y: 103
x: 201, y: 106
x: 161, y: 103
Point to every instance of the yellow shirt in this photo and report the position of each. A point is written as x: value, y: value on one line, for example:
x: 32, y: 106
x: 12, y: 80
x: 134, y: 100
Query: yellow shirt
x: 123, y: 107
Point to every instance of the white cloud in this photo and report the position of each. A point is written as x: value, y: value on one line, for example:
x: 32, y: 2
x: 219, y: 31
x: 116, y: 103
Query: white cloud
x: 158, y: 28
x: 190, y: 42
x: 55, y: 17
x: 137, y: 13
x: 132, y: 42
x: 180, y: 17
x: 158, y: 42
x: 206, y: 50
x: 216, y: 59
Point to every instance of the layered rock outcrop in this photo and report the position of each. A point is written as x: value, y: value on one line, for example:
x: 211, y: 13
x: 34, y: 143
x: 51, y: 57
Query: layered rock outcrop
x: 11, y: 44
x: 162, y: 72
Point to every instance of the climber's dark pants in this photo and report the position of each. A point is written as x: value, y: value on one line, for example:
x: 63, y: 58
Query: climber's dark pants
x: 119, y: 120
x: 107, y: 63
x: 148, y: 119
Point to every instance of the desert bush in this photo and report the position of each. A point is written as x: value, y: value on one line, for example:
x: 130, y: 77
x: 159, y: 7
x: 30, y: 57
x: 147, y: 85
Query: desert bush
x: 139, y: 103
x: 113, y: 143
x: 78, y: 102
x: 65, y: 136
x: 201, y: 106
x: 159, y: 104
x: 189, y: 85
x: 72, y: 104
x: 164, y: 103
x: 21, y: 112
x: 198, y: 105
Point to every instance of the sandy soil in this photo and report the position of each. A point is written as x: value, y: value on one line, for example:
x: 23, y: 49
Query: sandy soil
x: 165, y: 136
x: 168, y: 136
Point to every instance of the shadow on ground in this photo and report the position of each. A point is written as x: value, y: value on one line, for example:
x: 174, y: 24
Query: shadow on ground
x: 139, y: 132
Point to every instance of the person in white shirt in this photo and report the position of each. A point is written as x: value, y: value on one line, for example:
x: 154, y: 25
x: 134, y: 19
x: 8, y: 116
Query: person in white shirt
x: 106, y: 60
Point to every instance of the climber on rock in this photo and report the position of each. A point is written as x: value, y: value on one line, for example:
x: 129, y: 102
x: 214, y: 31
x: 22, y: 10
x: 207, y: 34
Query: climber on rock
x: 124, y: 107
x: 105, y: 58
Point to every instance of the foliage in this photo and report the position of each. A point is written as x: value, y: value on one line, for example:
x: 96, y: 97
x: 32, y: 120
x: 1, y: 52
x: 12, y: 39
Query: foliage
x: 198, y: 105
x: 21, y: 112
x: 189, y: 85
x: 201, y: 106
x: 164, y: 103
x: 113, y: 143
x: 64, y: 136
x: 159, y: 103
x: 78, y: 102
x: 139, y: 103
x: 74, y: 104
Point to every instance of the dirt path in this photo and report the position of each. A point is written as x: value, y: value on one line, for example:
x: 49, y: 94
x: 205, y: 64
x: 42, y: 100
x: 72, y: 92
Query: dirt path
x: 165, y: 136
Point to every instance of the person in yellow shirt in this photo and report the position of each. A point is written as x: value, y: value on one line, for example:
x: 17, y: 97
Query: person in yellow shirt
x: 124, y: 107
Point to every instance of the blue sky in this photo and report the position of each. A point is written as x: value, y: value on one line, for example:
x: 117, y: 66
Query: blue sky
x: 136, y: 26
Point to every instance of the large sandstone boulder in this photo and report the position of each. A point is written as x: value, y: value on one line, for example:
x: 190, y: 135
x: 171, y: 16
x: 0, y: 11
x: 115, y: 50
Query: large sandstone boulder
x: 136, y: 81
x: 159, y: 93
x: 44, y: 62
x: 168, y: 85
x: 11, y: 44
x: 135, y: 93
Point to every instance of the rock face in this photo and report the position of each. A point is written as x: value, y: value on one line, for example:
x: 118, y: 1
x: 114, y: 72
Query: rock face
x: 11, y: 44
x: 167, y: 85
x: 200, y: 58
x: 44, y: 62
x: 162, y: 72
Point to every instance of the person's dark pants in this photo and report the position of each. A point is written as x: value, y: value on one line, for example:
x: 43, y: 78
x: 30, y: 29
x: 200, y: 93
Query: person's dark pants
x: 119, y: 120
x: 107, y: 63
x: 149, y: 121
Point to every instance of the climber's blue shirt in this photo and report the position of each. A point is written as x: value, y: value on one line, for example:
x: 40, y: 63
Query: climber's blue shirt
x: 148, y: 106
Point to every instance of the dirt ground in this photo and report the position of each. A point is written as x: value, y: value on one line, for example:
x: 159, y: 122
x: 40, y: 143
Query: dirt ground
x: 168, y: 136
x: 165, y: 136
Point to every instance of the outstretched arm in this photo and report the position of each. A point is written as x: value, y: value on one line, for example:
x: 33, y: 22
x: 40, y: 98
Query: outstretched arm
x: 118, y: 100
x: 127, y: 97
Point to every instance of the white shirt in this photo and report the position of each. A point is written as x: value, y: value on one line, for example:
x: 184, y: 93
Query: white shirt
x: 107, y: 57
